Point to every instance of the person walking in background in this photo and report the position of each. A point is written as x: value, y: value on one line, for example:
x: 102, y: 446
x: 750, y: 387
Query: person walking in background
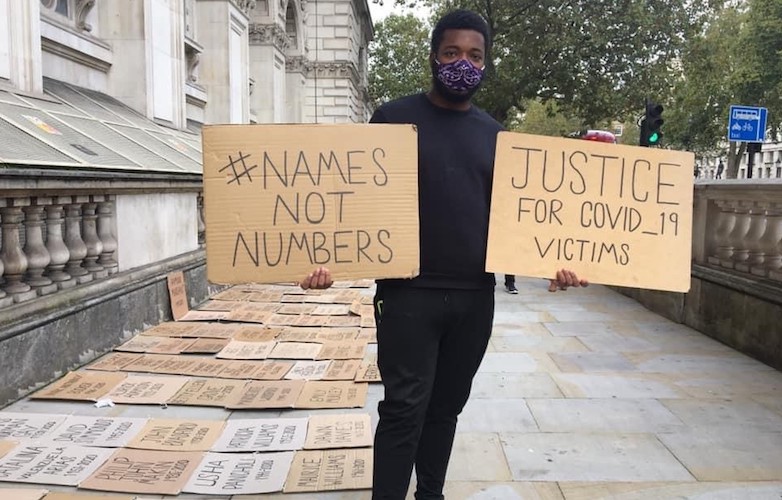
x: 510, y: 284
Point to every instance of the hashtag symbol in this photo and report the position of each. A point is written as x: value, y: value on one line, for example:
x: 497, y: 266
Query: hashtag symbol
x: 239, y: 169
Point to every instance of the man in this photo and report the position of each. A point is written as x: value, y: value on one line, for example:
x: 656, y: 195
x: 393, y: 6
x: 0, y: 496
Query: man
x: 510, y: 284
x: 433, y: 330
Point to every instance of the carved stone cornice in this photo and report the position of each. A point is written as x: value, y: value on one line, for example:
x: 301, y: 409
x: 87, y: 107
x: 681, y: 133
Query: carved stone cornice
x: 245, y: 6
x: 83, y: 8
x: 269, y: 34
x: 298, y: 64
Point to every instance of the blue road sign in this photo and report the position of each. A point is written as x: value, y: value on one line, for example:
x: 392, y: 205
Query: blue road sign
x: 747, y: 124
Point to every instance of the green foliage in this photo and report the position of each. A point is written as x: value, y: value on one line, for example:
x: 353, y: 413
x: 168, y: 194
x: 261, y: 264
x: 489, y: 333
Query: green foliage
x: 399, y: 58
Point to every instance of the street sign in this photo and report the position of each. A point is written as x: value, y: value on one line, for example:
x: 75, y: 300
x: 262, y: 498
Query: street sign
x: 747, y: 124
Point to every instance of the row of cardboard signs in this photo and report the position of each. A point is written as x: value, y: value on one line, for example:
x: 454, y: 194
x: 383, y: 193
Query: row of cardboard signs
x: 161, y: 456
x: 231, y: 394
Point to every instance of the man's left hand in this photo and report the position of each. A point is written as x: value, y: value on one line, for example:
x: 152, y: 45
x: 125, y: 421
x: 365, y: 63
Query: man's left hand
x: 565, y: 278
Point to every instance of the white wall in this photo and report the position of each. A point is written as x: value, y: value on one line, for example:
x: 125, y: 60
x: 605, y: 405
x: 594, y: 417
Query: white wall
x: 153, y: 227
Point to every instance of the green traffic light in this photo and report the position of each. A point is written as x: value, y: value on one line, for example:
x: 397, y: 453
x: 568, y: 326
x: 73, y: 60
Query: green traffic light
x: 654, y: 138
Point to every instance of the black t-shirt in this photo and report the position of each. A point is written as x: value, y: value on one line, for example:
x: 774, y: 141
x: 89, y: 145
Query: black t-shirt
x: 455, y: 168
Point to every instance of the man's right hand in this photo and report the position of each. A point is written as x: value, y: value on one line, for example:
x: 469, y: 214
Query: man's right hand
x: 319, y: 279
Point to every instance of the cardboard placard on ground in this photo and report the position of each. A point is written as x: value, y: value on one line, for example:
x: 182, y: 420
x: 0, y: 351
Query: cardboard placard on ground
x: 238, y: 349
x: 171, y: 345
x: 320, y: 297
x: 345, y: 321
x: 342, y: 369
x: 299, y: 334
x: 254, y: 333
x: 81, y: 386
x: 172, y: 329
x: 244, y: 370
x: 220, y: 305
x: 266, y: 295
x: 265, y: 434
x: 310, y: 195
x: 272, y: 370
x: 51, y: 464
x: 144, y: 471
x: 368, y: 372
x: 332, y: 394
x: 337, y: 334
x: 297, y: 309
x: 245, y: 316
x: 61, y: 495
x: 104, y: 432
x: 7, y: 446
x: 350, y: 349
x: 33, y: 494
x: 206, y: 346
x: 147, y: 363
x: 289, y: 298
x: 329, y: 470
x: 368, y: 335
x: 178, y: 435
x: 146, y: 390
x: 215, y: 330
x: 207, y: 392
x: 295, y: 350
x: 267, y: 394
x: 345, y: 297
x: 331, y: 310
x: 307, y: 370
x: 177, y: 294
x: 606, y: 211
x: 352, y: 430
x: 204, y: 316
x: 240, y: 473
x: 368, y: 321
x: 113, y: 361
x: 205, y: 367
x: 233, y: 293
x: 25, y: 426
x: 259, y: 307
x: 141, y: 343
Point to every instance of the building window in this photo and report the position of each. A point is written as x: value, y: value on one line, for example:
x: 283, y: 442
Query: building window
x: 75, y: 11
x: 60, y: 7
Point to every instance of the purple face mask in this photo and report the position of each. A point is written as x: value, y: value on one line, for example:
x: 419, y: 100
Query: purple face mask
x: 459, y: 76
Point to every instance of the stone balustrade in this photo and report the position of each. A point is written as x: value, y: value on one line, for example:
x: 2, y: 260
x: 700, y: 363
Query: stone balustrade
x: 53, y: 243
x: 738, y: 227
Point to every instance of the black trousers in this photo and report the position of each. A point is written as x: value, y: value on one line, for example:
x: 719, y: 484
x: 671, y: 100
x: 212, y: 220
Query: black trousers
x: 430, y: 344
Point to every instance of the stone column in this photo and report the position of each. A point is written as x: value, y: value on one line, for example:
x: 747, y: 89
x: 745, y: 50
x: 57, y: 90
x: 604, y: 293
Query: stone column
x: 5, y: 299
x: 89, y: 230
x: 58, y: 251
x: 738, y: 236
x: 14, y: 259
x: 76, y: 246
x: 757, y: 227
x: 727, y: 219
x: 201, y: 224
x: 37, y: 254
x: 771, y: 244
x: 106, y: 234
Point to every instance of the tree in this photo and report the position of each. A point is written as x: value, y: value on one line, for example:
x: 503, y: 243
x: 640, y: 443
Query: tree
x: 597, y: 59
x: 398, y: 58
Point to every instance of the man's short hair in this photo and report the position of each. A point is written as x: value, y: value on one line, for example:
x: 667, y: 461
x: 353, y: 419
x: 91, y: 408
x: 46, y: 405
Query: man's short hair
x: 460, y: 20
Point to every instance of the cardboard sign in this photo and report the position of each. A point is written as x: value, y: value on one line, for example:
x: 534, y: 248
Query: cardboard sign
x: 204, y: 367
x: 140, y: 344
x: 243, y: 370
x: 368, y: 372
x: 113, y: 361
x: 282, y: 200
x: 352, y: 430
x: 104, y: 432
x: 247, y: 316
x: 337, y: 334
x: 258, y: 395
x: 28, y: 426
x: 368, y: 335
x: 336, y: 394
x: 240, y: 473
x: 608, y: 212
x: 346, y: 321
x: 59, y: 495
x: 177, y: 294
x: 350, y: 349
x: 299, y: 334
x: 51, y: 464
x: 330, y: 470
x: 31, y: 494
x: 259, y: 307
x: 331, y: 310
x: 81, y: 386
x: 342, y: 369
x: 296, y: 309
x: 206, y: 346
x: 220, y: 305
x: 178, y: 435
x: 237, y: 349
x: 146, y: 390
x: 252, y: 333
x: 295, y: 350
x: 207, y: 392
x: 7, y: 446
x: 171, y: 329
x: 267, y: 434
x: 204, y: 316
x: 307, y: 370
x: 147, y: 363
x: 215, y: 330
x: 272, y: 370
x: 144, y: 471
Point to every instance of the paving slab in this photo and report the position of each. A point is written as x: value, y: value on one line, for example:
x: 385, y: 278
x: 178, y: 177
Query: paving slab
x: 514, y: 385
x: 496, y: 415
x: 629, y: 386
x: 591, y: 457
x: 725, y: 415
x: 603, y: 415
x: 593, y: 362
x: 683, y: 491
x: 483, y: 490
x: 478, y: 457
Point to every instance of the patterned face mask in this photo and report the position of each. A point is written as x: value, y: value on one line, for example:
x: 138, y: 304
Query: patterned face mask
x: 459, y: 76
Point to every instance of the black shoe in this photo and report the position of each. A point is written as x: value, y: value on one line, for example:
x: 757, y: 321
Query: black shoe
x: 511, y: 289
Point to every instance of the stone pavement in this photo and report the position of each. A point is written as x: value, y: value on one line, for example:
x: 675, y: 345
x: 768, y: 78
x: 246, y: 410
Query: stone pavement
x: 585, y: 394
